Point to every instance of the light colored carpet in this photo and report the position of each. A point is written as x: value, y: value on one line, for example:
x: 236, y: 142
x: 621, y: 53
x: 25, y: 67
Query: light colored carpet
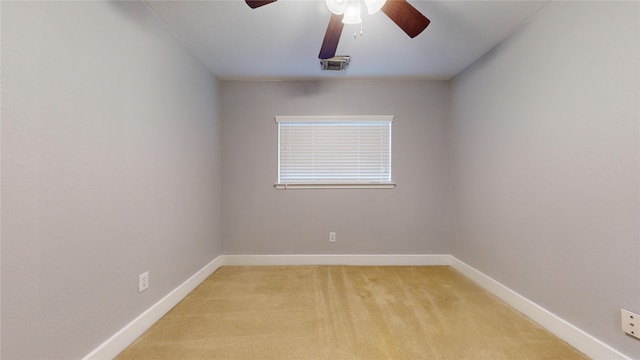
x: 344, y: 312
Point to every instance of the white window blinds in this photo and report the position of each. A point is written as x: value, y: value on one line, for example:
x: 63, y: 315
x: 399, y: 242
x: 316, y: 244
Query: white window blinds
x: 334, y: 150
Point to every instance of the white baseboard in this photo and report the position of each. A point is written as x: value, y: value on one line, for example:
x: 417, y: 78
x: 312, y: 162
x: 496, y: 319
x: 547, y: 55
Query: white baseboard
x: 577, y: 338
x: 371, y: 260
x: 582, y: 341
x: 127, y: 335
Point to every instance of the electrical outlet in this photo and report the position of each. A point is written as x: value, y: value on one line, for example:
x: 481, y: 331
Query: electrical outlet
x: 143, y: 282
x: 630, y: 323
x: 332, y: 237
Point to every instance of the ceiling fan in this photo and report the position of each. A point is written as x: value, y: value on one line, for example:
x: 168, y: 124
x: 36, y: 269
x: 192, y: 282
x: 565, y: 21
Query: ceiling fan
x: 408, y: 18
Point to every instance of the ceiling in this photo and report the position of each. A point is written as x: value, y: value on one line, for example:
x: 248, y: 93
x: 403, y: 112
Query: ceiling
x: 282, y: 40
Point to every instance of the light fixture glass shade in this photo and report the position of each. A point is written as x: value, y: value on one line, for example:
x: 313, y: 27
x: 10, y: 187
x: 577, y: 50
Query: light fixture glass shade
x: 337, y: 6
x: 373, y: 6
x: 352, y: 13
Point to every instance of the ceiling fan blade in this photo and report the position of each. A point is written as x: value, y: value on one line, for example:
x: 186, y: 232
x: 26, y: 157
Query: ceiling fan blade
x: 410, y: 20
x: 331, y: 37
x: 257, y: 3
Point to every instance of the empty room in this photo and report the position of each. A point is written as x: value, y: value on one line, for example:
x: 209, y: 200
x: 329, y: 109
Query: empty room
x: 320, y: 179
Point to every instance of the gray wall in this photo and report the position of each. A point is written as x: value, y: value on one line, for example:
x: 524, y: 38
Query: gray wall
x: 545, y: 139
x: 110, y: 167
x: 410, y: 219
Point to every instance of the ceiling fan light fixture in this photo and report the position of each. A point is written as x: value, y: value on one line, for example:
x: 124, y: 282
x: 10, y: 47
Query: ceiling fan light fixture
x: 337, y: 6
x: 373, y: 6
x: 403, y: 14
x: 352, y: 14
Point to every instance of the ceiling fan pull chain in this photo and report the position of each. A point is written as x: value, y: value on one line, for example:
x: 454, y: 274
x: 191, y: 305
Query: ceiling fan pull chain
x: 355, y: 35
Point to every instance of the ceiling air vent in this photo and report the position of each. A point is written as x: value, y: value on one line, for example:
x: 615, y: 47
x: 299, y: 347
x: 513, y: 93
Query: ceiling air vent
x: 335, y: 63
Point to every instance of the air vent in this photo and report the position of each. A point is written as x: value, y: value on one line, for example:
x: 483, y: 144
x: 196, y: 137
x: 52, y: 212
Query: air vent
x: 335, y: 63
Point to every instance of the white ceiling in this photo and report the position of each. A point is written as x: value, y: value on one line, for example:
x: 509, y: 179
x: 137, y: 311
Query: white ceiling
x: 282, y: 40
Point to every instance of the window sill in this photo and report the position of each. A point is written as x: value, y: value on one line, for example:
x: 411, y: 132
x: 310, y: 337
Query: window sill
x: 333, y: 186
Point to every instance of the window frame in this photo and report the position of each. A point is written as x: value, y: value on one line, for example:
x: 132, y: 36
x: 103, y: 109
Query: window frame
x: 334, y: 119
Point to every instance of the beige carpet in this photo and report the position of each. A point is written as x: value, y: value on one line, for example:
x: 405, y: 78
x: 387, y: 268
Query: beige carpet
x: 344, y: 312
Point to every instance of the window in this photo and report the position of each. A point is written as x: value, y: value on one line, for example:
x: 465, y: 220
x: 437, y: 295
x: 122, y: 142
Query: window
x: 334, y: 152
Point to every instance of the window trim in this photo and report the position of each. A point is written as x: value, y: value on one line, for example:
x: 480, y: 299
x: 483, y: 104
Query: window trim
x: 319, y: 119
x: 288, y: 186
